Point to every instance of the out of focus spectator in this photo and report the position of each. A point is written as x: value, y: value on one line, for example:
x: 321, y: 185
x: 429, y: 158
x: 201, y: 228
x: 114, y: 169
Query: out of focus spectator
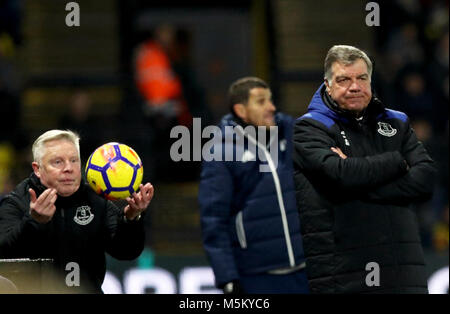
x: 11, y: 19
x: 12, y: 137
x: 7, y: 157
x: 157, y: 82
x: 437, y: 75
x: 413, y: 95
x: 10, y: 109
x: 441, y: 156
x: 440, y: 233
x: 426, y: 216
x: 403, y: 47
x: 413, y: 51
x: 10, y: 116
x: 170, y: 97
x: 79, y: 118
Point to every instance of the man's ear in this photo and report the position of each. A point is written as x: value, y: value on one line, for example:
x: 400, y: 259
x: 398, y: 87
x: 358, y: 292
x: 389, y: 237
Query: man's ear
x: 36, y: 169
x: 327, y: 85
x: 241, y: 111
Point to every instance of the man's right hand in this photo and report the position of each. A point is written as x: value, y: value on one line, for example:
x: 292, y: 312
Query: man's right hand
x: 43, y: 208
x: 338, y: 151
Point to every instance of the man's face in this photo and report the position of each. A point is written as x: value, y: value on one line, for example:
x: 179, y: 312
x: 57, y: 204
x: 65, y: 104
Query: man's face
x: 350, y: 86
x: 259, y: 110
x: 60, y: 167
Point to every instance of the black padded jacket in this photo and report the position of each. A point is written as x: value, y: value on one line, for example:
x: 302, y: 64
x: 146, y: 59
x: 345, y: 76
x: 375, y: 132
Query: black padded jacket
x: 83, y: 228
x: 356, y: 211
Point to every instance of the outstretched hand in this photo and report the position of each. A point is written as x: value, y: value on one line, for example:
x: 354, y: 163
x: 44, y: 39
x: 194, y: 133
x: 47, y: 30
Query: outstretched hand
x: 43, y: 208
x: 138, y: 202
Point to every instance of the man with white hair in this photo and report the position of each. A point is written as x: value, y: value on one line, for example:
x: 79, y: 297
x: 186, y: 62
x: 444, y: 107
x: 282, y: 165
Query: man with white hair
x: 358, y: 167
x: 37, y: 218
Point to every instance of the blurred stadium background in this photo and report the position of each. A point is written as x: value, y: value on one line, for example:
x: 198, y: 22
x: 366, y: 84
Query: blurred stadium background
x: 84, y: 78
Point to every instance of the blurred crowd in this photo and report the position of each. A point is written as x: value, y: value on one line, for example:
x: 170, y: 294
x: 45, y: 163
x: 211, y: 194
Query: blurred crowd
x: 410, y: 74
x: 13, y: 139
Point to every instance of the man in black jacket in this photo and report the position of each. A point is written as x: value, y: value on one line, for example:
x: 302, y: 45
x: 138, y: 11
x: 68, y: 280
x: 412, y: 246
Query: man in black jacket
x: 53, y: 214
x: 358, y: 167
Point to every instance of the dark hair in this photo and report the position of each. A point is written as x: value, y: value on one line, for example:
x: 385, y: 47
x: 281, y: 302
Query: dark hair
x: 239, y: 91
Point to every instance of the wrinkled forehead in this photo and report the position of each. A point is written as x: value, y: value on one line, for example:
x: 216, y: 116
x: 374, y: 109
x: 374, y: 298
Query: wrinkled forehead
x: 356, y: 68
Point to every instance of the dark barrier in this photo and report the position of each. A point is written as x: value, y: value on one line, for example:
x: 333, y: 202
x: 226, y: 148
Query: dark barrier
x: 27, y: 276
x: 192, y: 274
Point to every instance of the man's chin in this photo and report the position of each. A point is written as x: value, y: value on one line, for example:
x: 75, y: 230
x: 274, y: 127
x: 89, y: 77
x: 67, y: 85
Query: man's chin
x: 269, y: 123
x: 67, y: 191
x: 356, y: 107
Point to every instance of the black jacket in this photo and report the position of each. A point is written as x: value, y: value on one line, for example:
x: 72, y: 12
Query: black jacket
x: 83, y: 228
x: 356, y: 211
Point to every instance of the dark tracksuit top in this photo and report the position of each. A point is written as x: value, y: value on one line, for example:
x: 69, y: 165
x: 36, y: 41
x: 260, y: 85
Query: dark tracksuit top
x: 83, y: 228
x: 249, y: 218
x: 356, y: 211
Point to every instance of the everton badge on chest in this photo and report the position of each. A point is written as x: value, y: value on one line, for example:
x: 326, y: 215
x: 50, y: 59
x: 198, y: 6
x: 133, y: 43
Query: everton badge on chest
x: 386, y: 129
x: 83, y: 216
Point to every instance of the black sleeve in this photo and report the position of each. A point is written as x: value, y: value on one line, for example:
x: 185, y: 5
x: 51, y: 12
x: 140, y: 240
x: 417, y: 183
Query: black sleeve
x: 125, y: 240
x: 18, y: 231
x: 418, y: 183
x: 312, y: 154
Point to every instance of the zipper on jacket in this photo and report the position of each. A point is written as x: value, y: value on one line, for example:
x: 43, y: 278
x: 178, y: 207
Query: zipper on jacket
x: 240, y: 231
x: 62, y: 242
x: 279, y: 197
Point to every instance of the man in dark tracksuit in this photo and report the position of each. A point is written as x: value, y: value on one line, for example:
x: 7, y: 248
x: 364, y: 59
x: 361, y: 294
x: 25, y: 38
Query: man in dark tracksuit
x: 53, y: 214
x: 250, y: 226
x: 358, y: 167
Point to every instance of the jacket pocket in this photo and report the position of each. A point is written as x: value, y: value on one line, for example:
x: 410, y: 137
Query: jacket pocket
x: 240, y: 230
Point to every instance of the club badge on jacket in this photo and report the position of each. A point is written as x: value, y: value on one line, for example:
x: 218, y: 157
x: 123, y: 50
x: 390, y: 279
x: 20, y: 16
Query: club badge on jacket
x: 386, y: 129
x: 83, y: 215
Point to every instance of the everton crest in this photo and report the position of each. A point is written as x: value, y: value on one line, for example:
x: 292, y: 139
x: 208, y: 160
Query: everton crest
x: 386, y: 129
x: 83, y: 216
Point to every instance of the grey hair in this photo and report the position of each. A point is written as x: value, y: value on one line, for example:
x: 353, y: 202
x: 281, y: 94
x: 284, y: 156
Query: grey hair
x: 346, y: 55
x: 38, y: 147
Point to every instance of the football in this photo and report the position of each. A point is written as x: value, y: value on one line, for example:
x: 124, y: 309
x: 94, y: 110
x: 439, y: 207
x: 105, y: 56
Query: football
x: 114, y: 171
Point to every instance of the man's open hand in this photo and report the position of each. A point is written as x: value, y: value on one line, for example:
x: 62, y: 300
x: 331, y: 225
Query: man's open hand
x: 139, y: 202
x: 43, y: 208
